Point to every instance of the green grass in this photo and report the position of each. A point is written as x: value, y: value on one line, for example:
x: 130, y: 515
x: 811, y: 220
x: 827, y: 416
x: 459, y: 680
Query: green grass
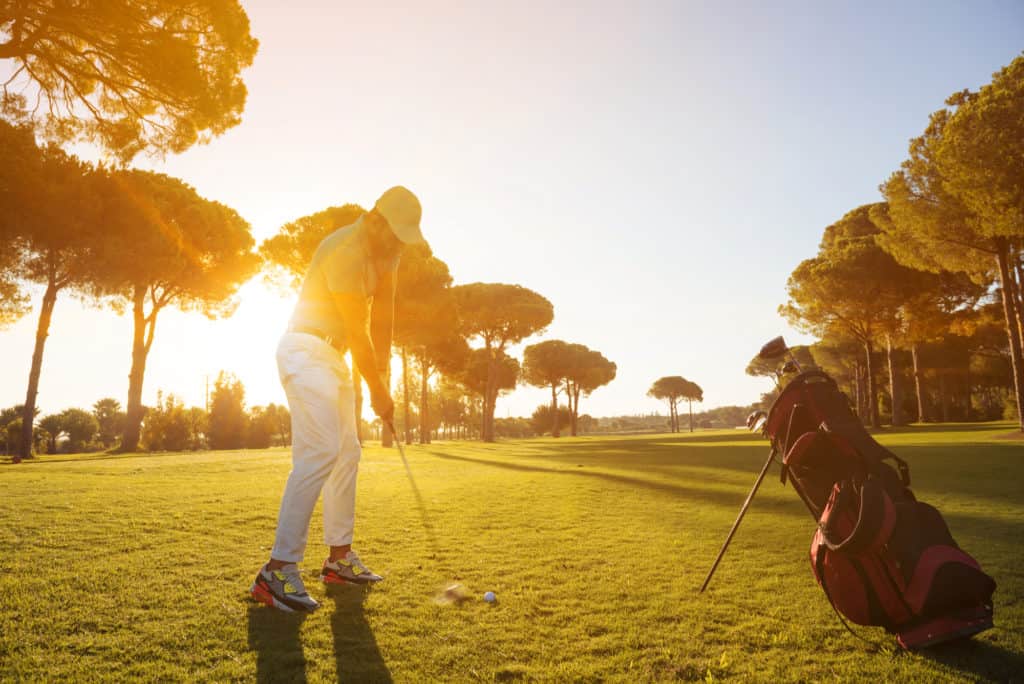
x: 136, y: 567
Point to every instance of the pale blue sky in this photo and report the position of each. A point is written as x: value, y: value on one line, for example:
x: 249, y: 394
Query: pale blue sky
x: 655, y: 169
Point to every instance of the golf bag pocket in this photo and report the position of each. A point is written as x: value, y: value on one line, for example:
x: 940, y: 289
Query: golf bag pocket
x: 864, y: 588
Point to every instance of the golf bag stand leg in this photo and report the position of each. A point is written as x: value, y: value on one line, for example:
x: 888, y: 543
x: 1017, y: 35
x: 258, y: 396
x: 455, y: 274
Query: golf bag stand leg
x: 743, y: 511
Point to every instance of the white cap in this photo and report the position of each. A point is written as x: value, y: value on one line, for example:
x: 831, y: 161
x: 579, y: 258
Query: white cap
x: 402, y: 211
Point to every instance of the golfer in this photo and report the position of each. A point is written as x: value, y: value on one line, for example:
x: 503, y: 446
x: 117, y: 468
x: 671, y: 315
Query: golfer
x: 346, y: 303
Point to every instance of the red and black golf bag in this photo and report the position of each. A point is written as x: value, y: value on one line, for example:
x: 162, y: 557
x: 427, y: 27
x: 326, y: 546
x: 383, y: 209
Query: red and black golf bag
x: 881, y: 556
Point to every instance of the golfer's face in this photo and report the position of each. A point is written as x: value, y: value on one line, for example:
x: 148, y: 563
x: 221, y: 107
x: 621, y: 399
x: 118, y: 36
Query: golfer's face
x: 383, y: 240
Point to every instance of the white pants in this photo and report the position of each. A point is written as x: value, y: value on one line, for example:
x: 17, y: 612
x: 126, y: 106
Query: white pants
x: 325, y: 449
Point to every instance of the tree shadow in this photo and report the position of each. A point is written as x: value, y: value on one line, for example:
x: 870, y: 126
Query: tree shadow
x: 728, y: 499
x: 978, y: 659
x: 274, y: 635
x: 357, y: 656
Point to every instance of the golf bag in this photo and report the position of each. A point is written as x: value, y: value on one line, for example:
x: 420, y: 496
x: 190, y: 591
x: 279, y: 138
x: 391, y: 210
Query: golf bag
x: 881, y: 556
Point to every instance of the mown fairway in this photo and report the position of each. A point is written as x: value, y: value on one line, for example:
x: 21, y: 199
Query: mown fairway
x: 137, y: 567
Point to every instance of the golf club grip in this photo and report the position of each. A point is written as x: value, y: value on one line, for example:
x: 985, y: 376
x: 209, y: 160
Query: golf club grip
x: 735, y: 525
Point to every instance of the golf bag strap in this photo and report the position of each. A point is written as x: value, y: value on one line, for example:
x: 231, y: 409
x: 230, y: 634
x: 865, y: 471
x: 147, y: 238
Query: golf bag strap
x: 901, y: 466
x: 871, y: 519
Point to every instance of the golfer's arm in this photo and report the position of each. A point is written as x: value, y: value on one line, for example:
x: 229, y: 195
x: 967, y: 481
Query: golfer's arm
x: 382, y: 320
x: 353, y: 312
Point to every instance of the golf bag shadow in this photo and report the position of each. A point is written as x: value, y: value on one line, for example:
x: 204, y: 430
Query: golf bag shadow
x: 881, y: 556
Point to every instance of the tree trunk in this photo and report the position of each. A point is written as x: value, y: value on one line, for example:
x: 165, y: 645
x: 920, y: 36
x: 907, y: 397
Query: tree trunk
x: 490, y: 399
x: 555, y: 432
x: 921, y: 417
x: 894, y: 384
x: 424, y: 398
x: 142, y: 340
x: 357, y: 390
x: 967, y: 382
x: 405, y: 395
x: 28, y: 414
x: 1017, y: 276
x: 943, y: 396
x: 876, y: 422
x: 1012, y: 328
x: 574, y: 401
x: 858, y: 394
x: 690, y: 402
x: 674, y: 417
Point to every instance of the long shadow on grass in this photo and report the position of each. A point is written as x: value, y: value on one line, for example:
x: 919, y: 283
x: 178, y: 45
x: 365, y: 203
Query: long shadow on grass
x: 722, y: 498
x: 663, y: 452
x: 357, y: 656
x: 978, y: 658
x: 274, y: 636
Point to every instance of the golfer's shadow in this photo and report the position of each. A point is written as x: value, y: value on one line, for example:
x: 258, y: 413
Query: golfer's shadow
x: 274, y: 636
x: 357, y: 657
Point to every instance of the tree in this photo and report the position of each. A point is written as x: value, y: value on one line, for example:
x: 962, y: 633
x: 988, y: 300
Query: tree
x: 125, y: 74
x: 955, y: 202
x: 198, y: 424
x: 980, y: 155
x: 54, y: 220
x: 484, y: 375
x: 282, y: 424
x: 53, y: 424
x: 499, y: 315
x: 853, y: 285
x: 547, y: 418
x: 228, y: 421
x: 20, y: 152
x: 260, y: 430
x: 81, y: 428
x: 426, y: 325
x: 166, y: 427
x: 175, y: 248
x: 691, y: 393
x: 110, y: 419
x: 672, y: 388
x: 588, y: 370
x: 546, y: 364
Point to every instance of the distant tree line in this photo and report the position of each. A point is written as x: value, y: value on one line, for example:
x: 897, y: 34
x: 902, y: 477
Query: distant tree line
x: 917, y: 300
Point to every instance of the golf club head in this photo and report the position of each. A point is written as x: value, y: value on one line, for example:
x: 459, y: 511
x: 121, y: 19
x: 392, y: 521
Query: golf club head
x: 756, y: 418
x: 773, y: 349
x: 790, y: 367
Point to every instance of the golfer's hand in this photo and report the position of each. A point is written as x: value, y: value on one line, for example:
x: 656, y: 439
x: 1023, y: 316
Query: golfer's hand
x: 383, y: 406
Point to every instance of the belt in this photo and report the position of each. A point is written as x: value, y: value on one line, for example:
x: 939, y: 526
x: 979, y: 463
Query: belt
x: 307, y: 330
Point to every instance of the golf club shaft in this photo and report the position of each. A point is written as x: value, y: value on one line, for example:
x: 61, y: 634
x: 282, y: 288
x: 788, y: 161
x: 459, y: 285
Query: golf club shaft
x: 398, y: 441
x: 743, y: 511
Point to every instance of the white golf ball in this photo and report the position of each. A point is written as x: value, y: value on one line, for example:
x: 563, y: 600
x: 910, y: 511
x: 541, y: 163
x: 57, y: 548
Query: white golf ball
x: 490, y: 597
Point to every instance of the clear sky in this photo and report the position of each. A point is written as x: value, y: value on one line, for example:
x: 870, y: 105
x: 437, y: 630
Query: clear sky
x: 656, y: 170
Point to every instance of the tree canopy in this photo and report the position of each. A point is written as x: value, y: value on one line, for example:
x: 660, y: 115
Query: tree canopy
x: 128, y: 75
x: 546, y: 364
x: 288, y: 253
x: 499, y: 315
x: 672, y: 388
x: 169, y: 246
